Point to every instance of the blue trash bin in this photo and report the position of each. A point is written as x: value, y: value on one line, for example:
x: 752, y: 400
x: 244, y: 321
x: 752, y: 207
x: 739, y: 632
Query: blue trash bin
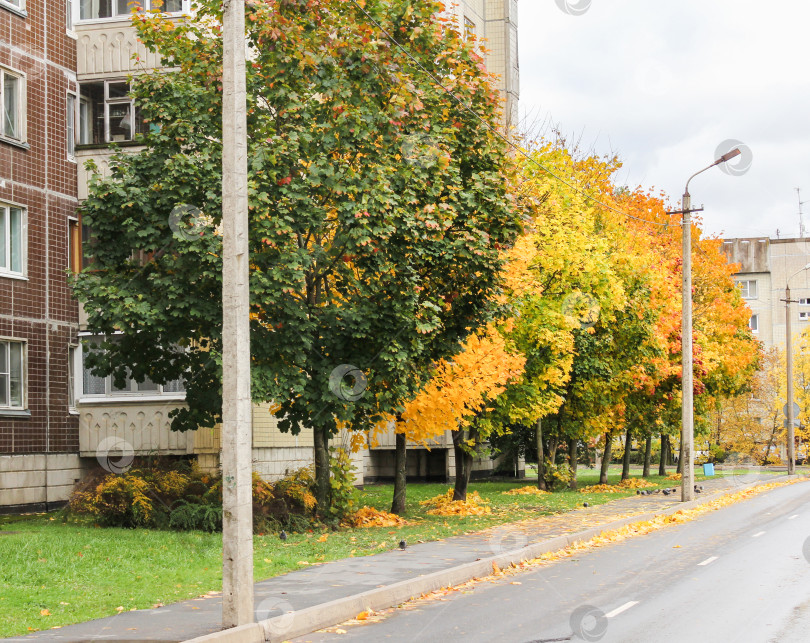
x: 708, y: 469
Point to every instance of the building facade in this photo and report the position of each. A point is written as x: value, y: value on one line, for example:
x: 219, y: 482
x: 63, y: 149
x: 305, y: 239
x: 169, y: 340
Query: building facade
x: 766, y: 265
x: 39, y: 244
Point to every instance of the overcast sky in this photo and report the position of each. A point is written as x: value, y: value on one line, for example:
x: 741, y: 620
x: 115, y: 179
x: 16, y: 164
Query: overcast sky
x: 663, y: 84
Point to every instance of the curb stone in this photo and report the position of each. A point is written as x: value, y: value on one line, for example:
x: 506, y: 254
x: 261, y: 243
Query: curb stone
x: 288, y: 626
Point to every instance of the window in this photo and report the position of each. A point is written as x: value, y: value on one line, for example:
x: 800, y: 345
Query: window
x: 17, y: 4
x: 469, y: 28
x: 95, y: 386
x: 74, y: 246
x: 804, y: 301
x: 12, y: 93
x: 72, y: 355
x: 107, y: 114
x: 69, y: 14
x: 70, y: 129
x: 106, y: 9
x: 12, y: 240
x: 12, y: 374
x: 753, y: 323
x: 804, y: 316
x: 748, y: 289
x: 93, y: 9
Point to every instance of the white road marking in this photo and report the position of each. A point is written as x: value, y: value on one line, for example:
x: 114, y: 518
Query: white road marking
x: 758, y: 534
x: 621, y: 609
x: 793, y: 516
x: 708, y: 561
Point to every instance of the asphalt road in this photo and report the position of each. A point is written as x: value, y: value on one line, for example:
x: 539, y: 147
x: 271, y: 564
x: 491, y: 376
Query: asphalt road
x: 738, y: 574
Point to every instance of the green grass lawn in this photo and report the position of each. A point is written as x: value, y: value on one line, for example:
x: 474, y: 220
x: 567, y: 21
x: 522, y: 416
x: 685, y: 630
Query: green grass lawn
x: 76, y: 571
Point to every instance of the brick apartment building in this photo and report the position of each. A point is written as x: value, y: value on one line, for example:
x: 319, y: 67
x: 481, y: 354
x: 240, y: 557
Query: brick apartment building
x: 39, y: 433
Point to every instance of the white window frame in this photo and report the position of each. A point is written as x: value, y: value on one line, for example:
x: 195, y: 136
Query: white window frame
x: 804, y: 316
x: 71, y: 11
x: 87, y: 114
x: 71, y: 125
x: 21, y: 105
x: 5, y: 371
x: 74, y: 367
x: 147, y: 4
x: 112, y: 395
x: 745, y: 288
x: 17, y: 7
x: 5, y: 240
x: 753, y: 323
x: 804, y: 301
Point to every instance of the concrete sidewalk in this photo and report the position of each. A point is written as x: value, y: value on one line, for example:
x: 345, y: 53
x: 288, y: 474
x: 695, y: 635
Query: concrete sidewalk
x: 321, y: 595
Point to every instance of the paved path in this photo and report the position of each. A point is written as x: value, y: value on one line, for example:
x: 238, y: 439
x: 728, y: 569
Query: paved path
x: 320, y: 584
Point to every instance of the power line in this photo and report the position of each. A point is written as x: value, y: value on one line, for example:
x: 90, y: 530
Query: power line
x: 517, y: 148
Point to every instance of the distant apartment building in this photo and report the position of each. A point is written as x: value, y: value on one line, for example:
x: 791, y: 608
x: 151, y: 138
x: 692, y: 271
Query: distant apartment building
x: 39, y: 244
x: 765, y: 267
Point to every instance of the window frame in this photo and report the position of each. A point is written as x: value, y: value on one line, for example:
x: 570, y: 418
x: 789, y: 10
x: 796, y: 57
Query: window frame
x: 5, y: 240
x: 753, y: 323
x: 72, y: 385
x: 5, y: 369
x: 90, y: 105
x: 131, y: 394
x: 21, y: 106
x: 147, y: 5
x: 745, y: 288
x: 71, y: 124
x: 13, y: 8
x: 804, y: 315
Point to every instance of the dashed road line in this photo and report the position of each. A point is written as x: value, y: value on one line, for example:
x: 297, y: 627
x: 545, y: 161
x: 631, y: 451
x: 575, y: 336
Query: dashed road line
x: 758, y: 534
x: 708, y: 561
x: 621, y: 609
x: 793, y: 516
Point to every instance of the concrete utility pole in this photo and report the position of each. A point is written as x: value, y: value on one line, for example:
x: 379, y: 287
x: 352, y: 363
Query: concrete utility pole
x: 237, y: 506
x: 789, y: 411
x: 687, y: 410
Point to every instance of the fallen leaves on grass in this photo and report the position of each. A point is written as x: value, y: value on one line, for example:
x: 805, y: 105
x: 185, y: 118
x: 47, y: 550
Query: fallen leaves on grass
x: 624, y: 485
x: 525, y: 491
x: 674, y: 476
x: 444, y: 505
x: 370, y: 517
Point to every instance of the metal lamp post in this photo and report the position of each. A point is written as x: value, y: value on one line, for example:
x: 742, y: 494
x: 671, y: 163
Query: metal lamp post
x: 791, y: 456
x: 687, y: 448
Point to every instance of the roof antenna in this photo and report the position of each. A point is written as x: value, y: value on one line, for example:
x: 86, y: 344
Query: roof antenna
x: 801, y: 215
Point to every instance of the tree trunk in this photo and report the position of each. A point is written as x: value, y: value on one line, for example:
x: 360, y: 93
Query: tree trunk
x: 603, y: 473
x: 322, y: 488
x: 628, y: 442
x: 572, y: 461
x: 662, y: 462
x: 464, y: 460
x: 552, y: 450
x: 647, y: 457
x: 680, y: 457
x: 541, y: 458
x: 400, y: 473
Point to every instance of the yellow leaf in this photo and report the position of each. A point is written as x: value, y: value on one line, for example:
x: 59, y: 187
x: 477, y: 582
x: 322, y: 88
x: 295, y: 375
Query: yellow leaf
x: 323, y: 538
x: 362, y: 616
x: 44, y: 612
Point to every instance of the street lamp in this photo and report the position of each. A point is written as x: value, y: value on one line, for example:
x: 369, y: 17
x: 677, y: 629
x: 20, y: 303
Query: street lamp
x: 688, y: 429
x: 789, y: 349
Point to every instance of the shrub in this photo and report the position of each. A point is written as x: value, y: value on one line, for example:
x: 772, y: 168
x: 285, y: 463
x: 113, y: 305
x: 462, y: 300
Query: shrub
x: 344, y: 494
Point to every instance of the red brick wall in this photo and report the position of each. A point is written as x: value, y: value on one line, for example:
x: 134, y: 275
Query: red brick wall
x: 40, y: 310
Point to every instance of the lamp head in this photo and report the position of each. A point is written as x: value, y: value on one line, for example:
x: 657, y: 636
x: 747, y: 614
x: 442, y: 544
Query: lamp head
x: 729, y: 155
